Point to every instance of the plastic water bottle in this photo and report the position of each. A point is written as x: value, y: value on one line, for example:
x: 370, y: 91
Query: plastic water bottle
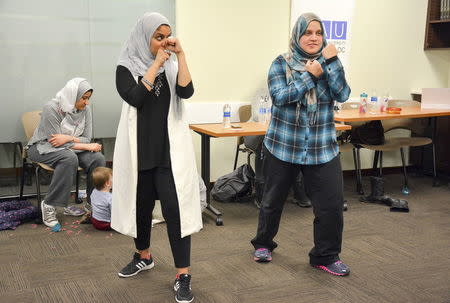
x: 226, y: 116
x: 262, y: 110
x: 384, y: 102
x: 373, y: 105
x: 268, y: 109
x: 363, y: 106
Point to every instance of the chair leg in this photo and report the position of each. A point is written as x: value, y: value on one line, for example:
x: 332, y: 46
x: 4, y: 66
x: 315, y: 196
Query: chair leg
x: 380, y: 170
x: 359, y: 187
x: 405, y: 189
x: 77, y: 184
x: 17, y: 145
x: 38, y: 191
x: 356, y: 167
x: 422, y: 151
x: 435, y: 179
x: 22, y: 180
x: 14, y: 158
x: 375, y: 161
x: 236, y: 157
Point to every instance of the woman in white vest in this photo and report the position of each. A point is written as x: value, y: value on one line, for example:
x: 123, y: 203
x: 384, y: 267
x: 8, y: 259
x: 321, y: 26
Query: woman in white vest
x: 154, y: 157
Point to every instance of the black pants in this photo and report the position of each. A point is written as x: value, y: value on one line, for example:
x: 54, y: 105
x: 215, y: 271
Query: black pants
x: 323, y: 185
x: 158, y: 184
x: 256, y: 144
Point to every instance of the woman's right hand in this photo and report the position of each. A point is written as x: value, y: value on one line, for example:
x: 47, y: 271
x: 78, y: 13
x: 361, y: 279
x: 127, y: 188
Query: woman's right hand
x: 161, y: 57
x: 94, y: 147
x: 314, y: 68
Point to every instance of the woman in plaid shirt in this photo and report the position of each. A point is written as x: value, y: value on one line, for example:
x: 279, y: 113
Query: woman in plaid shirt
x: 303, y: 84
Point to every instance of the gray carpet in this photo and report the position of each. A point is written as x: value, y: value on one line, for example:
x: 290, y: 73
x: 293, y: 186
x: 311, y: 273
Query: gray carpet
x: 394, y: 257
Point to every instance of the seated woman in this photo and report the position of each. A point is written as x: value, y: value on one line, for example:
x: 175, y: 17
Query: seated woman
x: 62, y: 141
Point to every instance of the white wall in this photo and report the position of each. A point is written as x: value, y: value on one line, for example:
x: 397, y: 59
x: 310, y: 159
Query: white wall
x: 230, y: 45
x: 387, y: 49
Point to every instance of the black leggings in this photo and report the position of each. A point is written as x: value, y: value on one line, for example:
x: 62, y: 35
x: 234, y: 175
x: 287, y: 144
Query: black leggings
x: 158, y: 184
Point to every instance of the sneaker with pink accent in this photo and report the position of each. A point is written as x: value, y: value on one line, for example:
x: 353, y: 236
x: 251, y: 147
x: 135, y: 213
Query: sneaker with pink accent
x: 262, y: 255
x: 337, y: 268
x: 73, y: 211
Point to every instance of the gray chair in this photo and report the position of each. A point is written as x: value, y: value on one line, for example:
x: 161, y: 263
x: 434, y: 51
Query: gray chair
x: 347, y: 146
x: 417, y: 128
x: 245, y: 113
x: 30, y: 121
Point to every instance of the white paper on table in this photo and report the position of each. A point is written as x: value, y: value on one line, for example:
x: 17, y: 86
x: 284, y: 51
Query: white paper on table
x: 435, y: 98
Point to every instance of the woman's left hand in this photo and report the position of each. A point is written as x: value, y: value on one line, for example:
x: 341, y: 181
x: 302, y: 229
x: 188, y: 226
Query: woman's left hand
x: 172, y: 44
x: 59, y: 139
x: 329, y: 51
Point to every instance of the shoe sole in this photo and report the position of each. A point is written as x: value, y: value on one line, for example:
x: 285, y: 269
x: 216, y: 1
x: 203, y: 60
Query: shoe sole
x: 73, y: 215
x: 262, y: 260
x: 329, y: 271
x: 150, y: 266
x: 184, y: 301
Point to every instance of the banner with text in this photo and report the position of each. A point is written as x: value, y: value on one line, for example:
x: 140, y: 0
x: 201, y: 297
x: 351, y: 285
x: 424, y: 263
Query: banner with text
x: 337, y: 20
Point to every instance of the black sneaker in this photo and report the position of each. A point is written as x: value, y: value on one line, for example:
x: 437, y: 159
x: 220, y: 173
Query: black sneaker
x: 262, y: 255
x: 135, y: 266
x: 337, y: 268
x: 182, y: 287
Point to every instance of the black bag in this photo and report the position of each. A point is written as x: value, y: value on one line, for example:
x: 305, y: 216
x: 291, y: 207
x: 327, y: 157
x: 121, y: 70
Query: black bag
x: 371, y: 133
x: 235, y: 186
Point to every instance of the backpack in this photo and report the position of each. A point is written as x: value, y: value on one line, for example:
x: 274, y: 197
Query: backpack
x: 235, y: 186
x: 370, y: 133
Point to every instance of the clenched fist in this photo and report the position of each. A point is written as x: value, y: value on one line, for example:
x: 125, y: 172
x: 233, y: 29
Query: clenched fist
x: 314, y: 68
x: 329, y: 51
x: 161, y: 57
x: 172, y: 44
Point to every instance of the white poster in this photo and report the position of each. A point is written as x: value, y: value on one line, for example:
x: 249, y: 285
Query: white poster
x: 337, y: 21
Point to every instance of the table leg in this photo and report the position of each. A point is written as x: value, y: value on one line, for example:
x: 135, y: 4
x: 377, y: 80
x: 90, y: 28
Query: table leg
x: 434, y: 145
x: 206, y: 177
x: 359, y: 187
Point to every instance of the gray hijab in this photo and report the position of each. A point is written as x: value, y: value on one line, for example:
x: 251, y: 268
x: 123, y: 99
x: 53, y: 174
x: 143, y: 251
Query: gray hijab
x: 135, y: 54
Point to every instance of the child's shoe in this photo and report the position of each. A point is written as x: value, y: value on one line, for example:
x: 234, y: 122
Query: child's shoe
x: 86, y: 219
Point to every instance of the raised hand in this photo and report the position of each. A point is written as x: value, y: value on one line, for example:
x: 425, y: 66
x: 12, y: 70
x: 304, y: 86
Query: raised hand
x: 329, y: 51
x: 314, y: 68
x: 161, y: 57
x: 172, y: 44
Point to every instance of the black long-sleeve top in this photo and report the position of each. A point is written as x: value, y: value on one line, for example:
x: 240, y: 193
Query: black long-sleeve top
x: 152, y: 134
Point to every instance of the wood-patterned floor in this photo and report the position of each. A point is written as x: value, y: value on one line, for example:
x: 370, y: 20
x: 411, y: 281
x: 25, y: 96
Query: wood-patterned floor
x: 394, y: 257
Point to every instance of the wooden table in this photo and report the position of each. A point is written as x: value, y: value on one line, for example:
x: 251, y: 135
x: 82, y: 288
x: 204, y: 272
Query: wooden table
x: 216, y: 130
x: 353, y: 115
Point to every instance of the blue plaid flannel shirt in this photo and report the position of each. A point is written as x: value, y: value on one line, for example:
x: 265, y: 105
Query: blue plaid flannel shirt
x: 302, y: 143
